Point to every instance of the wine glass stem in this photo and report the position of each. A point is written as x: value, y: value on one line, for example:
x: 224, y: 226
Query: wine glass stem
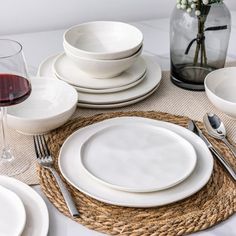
x: 6, y: 152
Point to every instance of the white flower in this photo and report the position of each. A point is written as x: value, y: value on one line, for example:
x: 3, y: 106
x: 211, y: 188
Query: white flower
x: 178, y: 6
x: 196, y: 5
x: 197, y: 13
x: 189, y: 10
x: 205, y: 2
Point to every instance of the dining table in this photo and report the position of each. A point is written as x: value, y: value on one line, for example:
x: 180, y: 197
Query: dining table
x: 39, y: 45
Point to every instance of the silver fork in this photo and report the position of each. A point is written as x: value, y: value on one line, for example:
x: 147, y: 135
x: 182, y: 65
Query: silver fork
x: 45, y: 159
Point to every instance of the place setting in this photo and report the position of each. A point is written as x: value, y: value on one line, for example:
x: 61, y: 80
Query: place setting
x: 135, y: 163
x: 126, y: 172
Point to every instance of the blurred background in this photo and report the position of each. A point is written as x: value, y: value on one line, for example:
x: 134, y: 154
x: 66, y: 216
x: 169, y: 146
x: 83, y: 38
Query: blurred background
x: 41, y: 15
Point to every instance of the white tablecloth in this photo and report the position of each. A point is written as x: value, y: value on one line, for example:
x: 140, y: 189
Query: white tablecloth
x: 39, y: 45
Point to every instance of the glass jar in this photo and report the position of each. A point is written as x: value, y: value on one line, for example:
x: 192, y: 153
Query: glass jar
x: 198, y: 44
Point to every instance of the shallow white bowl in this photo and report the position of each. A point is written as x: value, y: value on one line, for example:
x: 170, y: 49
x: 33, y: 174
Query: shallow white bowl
x: 51, y: 103
x: 103, y: 69
x: 106, y: 40
x: 220, y: 86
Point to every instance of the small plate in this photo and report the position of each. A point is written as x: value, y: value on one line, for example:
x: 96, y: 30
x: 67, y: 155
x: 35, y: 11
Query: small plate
x: 110, y: 90
x: 12, y: 213
x: 116, y: 105
x: 66, y: 70
x: 73, y: 171
x: 152, y: 79
x: 138, y: 157
x: 37, y: 222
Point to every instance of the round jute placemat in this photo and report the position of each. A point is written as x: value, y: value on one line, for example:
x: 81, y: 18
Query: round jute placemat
x: 211, y: 205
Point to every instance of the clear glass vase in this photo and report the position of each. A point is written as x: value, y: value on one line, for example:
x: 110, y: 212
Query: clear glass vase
x: 198, y: 44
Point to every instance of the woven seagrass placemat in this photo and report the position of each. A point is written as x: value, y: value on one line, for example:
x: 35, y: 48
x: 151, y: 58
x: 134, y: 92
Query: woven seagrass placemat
x: 211, y: 205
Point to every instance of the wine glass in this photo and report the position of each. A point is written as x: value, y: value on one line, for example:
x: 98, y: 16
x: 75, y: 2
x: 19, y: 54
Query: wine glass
x: 15, y: 87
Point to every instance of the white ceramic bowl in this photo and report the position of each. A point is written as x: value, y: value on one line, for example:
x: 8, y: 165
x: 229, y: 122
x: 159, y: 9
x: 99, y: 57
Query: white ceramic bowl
x: 51, y: 103
x: 220, y: 86
x: 104, y: 40
x: 103, y: 69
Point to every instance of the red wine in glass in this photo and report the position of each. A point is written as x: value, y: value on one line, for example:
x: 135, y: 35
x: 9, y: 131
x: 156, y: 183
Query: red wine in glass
x: 14, y: 89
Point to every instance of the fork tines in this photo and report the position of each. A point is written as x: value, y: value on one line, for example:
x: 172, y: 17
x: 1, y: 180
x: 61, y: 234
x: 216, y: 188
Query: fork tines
x: 40, y: 146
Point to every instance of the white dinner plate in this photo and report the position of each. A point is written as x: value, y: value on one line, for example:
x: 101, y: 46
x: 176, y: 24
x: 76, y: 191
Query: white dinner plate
x: 72, y: 169
x: 138, y: 157
x: 12, y: 213
x: 152, y: 79
x: 66, y: 70
x: 37, y: 219
x: 110, y: 90
x: 120, y: 104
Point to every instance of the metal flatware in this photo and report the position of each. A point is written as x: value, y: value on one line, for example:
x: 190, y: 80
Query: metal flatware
x: 216, y: 128
x: 193, y: 127
x: 45, y: 159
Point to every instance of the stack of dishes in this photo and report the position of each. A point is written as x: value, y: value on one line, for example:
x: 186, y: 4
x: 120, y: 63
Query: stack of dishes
x: 136, y: 162
x: 23, y: 211
x: 103, y: 62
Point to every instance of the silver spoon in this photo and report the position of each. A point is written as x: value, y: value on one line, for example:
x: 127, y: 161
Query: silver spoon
x: 216, y: 129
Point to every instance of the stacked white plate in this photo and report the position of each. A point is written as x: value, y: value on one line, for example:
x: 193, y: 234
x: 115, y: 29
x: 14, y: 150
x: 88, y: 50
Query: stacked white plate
x: 137, y: 83
x: 23, y: 211
x: 136, y: 162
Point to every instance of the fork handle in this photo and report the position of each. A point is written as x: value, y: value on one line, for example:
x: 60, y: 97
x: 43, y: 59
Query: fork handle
x: 66, y: 194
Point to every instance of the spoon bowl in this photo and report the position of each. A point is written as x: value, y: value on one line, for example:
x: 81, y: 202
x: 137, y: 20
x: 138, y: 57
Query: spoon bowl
x: 216, y: 128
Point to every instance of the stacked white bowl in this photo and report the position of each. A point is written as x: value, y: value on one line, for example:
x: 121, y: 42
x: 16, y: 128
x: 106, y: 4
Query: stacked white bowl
x: 102, y: 60
x: 103, y: 49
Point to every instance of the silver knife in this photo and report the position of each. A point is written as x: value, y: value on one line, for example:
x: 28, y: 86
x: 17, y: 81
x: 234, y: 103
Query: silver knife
x: 193, y: 127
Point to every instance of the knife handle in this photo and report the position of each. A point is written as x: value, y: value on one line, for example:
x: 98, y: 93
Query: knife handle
x: 225, y: 163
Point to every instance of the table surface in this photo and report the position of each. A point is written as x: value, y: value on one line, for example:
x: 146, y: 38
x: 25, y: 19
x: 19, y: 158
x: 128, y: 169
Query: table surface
x: 38, y: 46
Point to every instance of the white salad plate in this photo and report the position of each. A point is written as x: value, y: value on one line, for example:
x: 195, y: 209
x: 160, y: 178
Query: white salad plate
x: 45, y: 69
x: 12, y: 213
x: 74, y: 172
x: 37, y: 219
x: 152, y: 79
x: 138, y: 157
x: 110, y: 90
x: 117, y: 105
x: 66, y: 70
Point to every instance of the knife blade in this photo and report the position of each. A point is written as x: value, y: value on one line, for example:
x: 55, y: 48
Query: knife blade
x: 194, y: 128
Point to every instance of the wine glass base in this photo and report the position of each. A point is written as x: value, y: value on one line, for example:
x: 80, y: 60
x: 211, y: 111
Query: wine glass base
x: 13, y: 167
